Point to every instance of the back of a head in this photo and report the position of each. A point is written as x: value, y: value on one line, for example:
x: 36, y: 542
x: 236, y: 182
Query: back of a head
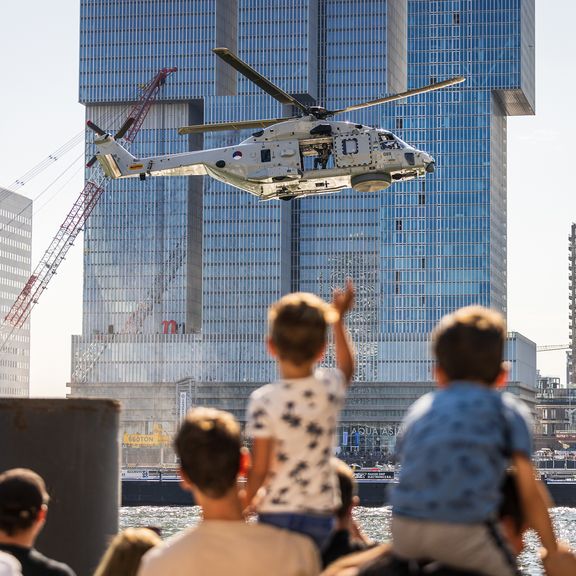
x: 348, y: 487
x: 297, y: 326
x: 208, y: 445
x: 469, y: 344
x: 125, y: 552
x: 22, y: 496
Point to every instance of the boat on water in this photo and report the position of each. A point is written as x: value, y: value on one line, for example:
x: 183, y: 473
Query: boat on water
x: 161, y: 487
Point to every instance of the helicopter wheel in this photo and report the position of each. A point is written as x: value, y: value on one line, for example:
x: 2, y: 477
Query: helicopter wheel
x: 371, y: 182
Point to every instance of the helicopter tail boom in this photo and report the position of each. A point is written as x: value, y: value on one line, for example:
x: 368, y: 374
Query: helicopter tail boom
x: 117, y: 162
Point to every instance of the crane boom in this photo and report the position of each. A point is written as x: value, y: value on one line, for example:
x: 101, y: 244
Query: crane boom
x: 79, y: 213
x: 551, y: 347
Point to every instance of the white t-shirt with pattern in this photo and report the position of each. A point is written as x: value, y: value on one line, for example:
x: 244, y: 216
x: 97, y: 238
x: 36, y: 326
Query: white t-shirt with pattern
x: 300, y: 415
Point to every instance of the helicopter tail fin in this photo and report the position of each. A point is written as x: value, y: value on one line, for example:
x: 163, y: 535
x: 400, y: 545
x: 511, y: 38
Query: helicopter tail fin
x: 116, y: 161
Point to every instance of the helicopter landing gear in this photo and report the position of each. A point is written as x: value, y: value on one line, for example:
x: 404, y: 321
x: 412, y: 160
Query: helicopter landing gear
x: 371, y: 182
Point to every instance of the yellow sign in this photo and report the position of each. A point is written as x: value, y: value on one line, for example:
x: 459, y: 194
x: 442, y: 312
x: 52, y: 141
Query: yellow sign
x: 157, y: 438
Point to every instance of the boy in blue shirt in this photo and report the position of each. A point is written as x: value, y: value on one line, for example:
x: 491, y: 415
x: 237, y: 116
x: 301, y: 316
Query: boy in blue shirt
x: 454, y: 447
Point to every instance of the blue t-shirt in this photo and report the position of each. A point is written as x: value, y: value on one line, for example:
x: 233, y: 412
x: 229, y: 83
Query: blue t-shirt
x: 454, y: 447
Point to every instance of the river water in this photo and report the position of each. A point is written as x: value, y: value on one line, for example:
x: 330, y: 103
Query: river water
x: 374, y: 521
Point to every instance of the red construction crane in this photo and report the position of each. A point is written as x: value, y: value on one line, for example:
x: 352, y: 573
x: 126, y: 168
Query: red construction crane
x: 81, y: 209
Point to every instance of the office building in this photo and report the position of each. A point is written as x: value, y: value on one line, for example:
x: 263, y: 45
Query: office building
x: 571, y: 354
x: 15, y: 269
x: 415, y: 251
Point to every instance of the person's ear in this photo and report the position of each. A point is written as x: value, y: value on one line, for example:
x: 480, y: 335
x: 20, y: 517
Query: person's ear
x: 245, y: 462
x: 42, y: 513
x: 440, y: 376
x: 270, y: 346
x: 185, y: 482
x: 321, y: 352
x: 502, y: 378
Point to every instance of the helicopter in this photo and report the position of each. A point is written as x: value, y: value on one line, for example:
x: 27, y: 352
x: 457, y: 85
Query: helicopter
x: 286, y: 158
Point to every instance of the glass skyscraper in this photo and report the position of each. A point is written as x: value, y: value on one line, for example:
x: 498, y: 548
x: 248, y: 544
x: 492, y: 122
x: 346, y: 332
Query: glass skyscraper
x: 198, y: 262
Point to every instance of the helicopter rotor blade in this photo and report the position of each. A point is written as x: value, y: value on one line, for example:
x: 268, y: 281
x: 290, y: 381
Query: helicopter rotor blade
x: 220, y: 126
x: 246, y: 70
x: 124, y: 128
x: 401, y: 95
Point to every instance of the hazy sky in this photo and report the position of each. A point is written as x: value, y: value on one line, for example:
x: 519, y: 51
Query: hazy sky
x: 39, y: 112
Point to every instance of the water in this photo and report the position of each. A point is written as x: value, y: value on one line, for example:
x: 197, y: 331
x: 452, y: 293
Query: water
x: 374, y: 521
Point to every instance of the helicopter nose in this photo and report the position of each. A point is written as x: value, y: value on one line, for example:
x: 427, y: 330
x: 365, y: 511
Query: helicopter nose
x: 431, y: 167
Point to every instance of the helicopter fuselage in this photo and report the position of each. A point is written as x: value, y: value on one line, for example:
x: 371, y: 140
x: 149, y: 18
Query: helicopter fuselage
x: 294, y: 158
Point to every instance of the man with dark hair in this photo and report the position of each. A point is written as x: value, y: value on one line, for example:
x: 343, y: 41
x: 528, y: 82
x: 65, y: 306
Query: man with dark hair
x: 347, y: 536
x: 454, y: 447
x: 23, y: 507
x: 211, y: 459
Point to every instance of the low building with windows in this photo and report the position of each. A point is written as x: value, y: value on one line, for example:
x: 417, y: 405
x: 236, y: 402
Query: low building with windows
x: 15, y: 269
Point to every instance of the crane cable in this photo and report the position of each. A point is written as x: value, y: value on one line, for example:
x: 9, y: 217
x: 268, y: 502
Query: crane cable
x: 110, y: 118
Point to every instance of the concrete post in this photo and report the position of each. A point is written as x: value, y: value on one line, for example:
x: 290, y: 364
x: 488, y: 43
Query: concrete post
x: 73, y: 444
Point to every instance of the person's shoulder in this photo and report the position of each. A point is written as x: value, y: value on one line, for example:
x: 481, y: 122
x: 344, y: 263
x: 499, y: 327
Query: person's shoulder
x: 174, y: 550
x: 49, y: 566
x: 421, y: 406
x: 516, y: 406
x: 331, y: 378
x: 357, y: 562
x: 264, y: 392
x: 272, y: 534
x: 293, y: 548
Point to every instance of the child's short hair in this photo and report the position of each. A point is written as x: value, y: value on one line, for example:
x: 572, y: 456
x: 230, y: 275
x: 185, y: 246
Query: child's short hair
x: 297, y: 326
x: 469, y: 344
x: 208, y: 445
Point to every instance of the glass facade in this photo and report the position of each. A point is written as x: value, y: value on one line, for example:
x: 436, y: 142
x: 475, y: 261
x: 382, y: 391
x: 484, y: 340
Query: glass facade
x: 15, y: 269
x: 201, y: 261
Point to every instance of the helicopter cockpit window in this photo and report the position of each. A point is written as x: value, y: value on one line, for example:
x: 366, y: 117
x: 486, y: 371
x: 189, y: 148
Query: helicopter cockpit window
x: 265, y: 155
x: 388, y: 142
x: 350, y: 146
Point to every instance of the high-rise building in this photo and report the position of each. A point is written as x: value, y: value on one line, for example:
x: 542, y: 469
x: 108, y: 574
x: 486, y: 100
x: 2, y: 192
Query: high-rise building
x: 205, y: 260
x: 15, y: 269
x: 571, y: 354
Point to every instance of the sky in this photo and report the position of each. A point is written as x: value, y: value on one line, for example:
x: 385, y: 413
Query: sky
x: 39, y: 112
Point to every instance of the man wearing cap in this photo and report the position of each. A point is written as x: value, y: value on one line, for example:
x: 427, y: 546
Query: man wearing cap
x: 23, y: 508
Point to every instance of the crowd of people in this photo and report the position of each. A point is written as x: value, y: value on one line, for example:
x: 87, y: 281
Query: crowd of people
x: 466, y: 492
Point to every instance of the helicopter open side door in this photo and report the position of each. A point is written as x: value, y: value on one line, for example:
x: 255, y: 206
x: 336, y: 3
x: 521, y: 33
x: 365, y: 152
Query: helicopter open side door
x: 352, y: 150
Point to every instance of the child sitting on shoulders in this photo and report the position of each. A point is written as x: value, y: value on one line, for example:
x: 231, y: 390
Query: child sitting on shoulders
x: 293, y: 421
x: 455, y: 445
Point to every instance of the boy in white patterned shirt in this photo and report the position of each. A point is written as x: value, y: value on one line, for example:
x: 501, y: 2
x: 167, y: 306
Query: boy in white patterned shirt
x: 293, y: 421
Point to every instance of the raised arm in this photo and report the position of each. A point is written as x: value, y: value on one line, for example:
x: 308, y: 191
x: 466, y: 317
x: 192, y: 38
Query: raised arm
x: 534, y: 502
x: 343, y: 300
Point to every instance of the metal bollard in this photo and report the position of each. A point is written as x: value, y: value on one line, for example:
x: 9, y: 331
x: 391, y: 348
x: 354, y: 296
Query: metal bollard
x: 73, y: 444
